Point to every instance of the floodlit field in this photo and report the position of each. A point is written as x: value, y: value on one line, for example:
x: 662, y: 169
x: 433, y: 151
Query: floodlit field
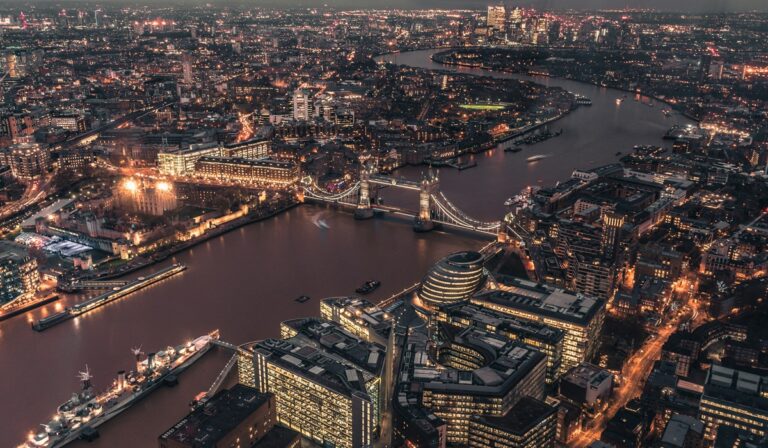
x: 483, y: 106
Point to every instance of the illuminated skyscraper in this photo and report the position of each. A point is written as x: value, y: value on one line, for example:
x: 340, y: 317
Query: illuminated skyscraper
x: 301, y: 105
x: 497, y: 19
x: 186, y: 66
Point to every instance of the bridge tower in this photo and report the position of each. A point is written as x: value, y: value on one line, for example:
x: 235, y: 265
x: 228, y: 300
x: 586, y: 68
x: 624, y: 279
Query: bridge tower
x: 364, y: 210
x: 428, y: 186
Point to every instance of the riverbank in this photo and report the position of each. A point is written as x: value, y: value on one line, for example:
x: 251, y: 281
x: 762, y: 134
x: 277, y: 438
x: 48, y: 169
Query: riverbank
x: 157, y: 258
x: 27, y: 306
x: 438, y: 60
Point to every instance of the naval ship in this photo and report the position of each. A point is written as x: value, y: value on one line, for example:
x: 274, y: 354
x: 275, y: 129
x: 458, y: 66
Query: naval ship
x: 78, y: 417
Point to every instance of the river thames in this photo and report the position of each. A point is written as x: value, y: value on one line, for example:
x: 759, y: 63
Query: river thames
x: 245, y: 282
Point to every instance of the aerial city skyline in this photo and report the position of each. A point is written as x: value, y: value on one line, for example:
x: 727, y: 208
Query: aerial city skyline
x: 464, y: 224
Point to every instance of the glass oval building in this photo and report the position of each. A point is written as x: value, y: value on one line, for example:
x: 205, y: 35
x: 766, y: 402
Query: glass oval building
x: 453, y: 279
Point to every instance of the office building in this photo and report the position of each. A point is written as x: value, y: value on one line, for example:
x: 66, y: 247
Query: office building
x: 186, y: 68
x: 453, y: 279
x: 247, y: 171
x: 530, y: 423
x: 497, y: 19
x: 580, y: 317
x: 359, y: 317
x: 326, y: 382
x: 734, y: 398
x: 19, y: 277
x: 485, y: 375
x: 29, y: 161
x: 257, y: 148
x: 586, y: 384
x: 69, y: 120
x: 546, y: 339
x: 302, y: 105
x: 682, y: 431
x: 181, y: 162
x: 240, y: 416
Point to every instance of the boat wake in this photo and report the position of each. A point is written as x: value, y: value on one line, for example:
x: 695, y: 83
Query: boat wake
x: 319, y: 222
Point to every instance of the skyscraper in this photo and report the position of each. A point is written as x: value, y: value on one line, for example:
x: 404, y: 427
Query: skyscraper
x: 186, y: 66
x: 301, y: 105
x: 497, y: 19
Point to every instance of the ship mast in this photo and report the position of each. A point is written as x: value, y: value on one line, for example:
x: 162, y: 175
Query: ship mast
x: 85, y: 377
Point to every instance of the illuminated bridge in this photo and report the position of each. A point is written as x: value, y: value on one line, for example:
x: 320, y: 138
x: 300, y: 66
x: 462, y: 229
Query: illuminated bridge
x: 434, y: 207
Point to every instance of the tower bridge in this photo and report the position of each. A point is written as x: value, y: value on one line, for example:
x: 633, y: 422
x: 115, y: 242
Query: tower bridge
x: 434, y: 206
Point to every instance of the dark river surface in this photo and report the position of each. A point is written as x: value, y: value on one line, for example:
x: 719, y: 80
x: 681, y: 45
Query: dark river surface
x: 245, y: 282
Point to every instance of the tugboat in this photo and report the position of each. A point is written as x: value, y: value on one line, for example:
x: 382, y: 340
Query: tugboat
x: 302, y: 299
x: 368, y: 287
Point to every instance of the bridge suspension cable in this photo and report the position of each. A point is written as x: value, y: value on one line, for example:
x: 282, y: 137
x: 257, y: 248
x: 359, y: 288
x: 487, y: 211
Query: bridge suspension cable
x: 314, y: 191
x: 458, y: 217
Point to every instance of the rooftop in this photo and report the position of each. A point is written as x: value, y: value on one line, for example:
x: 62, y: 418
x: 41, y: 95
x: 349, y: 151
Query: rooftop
x: 542, y: 299
x: 206, y: 425
x: 527, y: 413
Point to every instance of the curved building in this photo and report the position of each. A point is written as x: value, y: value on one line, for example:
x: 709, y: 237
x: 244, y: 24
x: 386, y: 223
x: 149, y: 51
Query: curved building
x: 453, y: 279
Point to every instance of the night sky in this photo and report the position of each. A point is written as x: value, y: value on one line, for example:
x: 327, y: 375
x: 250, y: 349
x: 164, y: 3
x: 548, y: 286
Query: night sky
x: 665, y: 5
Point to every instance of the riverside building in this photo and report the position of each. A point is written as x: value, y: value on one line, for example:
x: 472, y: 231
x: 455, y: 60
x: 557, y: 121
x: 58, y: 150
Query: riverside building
x: 326, y: 381
x: 579, y: 316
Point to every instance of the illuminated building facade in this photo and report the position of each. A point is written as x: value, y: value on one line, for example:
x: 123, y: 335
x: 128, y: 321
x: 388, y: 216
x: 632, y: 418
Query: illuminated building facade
x: 249, y: 149
x: 250, y: 171
x: 72, y: 122
x: 453, y: 279
x: 147, y: 198
x: 546, y: 339
x: 734, y: 398
x: 580, y: 317
x: 302, y: 107
x: 497, y: 19
x: 29, y: 161
x: 326, y: 382
x: 530, y: 423
x: 359, y: 317
x: 181, y: 162
x: 487, y: 375
x: 18, y: 275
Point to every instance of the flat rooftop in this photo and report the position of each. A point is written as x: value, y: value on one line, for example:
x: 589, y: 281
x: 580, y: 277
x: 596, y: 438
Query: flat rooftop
x: 527, y: 413
x: 206, y: 425
x: 542, y: 299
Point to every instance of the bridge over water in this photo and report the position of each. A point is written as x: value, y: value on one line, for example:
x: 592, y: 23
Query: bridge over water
x: 434, y: 206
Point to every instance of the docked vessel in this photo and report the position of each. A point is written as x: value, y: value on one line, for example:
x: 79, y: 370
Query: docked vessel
x: 103, y: 299
x: 513, y: 149
x: 368, y: 287
x: 78, y: 417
